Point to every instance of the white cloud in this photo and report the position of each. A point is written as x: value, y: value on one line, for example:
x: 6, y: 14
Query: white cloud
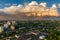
x: 43, y: 4
x: 14, y: 9
x: 58, y: 5
x: 54, y: 6
x: 10, y: 10
x: 7, y: 4
x: 1, y: 9
x: 10, y: 4
x: 33, y: 3
x: 20, y: 6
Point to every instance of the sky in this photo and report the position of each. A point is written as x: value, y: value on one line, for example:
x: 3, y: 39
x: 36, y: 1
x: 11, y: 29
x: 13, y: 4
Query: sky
x: 7, y: 3
x: 16, y: 6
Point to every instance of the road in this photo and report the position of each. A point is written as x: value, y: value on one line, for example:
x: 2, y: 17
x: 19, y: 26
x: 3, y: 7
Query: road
x: 26, y: 36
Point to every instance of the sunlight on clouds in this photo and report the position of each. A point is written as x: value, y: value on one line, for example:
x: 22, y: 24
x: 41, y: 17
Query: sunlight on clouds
x: 20, y: 6
x: 54, y: 6
x: 43, y: 4
x: 33, y: 3
x: 10, y: 10
x: 58, y: 5
x: 33, y: 7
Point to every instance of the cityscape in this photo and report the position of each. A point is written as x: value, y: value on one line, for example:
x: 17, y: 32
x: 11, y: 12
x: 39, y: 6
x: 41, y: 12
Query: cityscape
x: 29, y: 19
x: 30, y: 30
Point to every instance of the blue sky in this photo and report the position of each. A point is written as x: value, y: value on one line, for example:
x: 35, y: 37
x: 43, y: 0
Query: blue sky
x: 49, y: 2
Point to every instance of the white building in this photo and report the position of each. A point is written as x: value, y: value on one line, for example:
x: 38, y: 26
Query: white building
x: 1, y: 29
x: 42, y: 37
x: 6, y: 25
x: 12, y: 27
x: 13, y: 22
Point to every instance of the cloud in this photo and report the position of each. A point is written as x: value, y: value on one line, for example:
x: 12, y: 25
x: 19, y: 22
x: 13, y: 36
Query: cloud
x: 12, y: 9
x: 54, y: 6
x: 7, y: 4
x: 33, y: 3
x: 10, y: 4
x: 20, y: 6
x: 1, y: 9
x: 32, y: 10
x: 43, y: 4
x: 58, y: 5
